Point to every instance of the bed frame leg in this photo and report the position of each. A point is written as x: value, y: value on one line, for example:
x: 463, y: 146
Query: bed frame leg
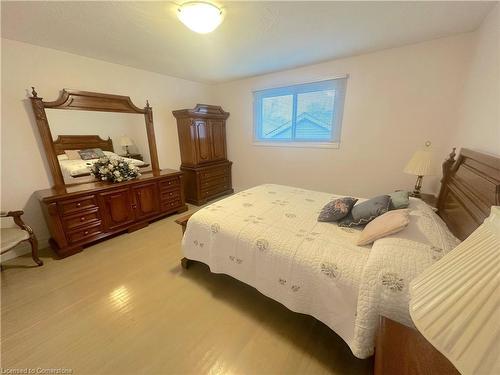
x: 185, y: 262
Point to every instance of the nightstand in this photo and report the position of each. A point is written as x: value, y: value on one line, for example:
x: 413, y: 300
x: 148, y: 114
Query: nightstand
x: 133, y: 156
x: 430, y: 199
x: 401, y: 350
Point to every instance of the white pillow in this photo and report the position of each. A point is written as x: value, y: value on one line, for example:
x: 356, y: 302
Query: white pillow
x: 62, y: 157
x: 389, y: 223
x: 73, y: 154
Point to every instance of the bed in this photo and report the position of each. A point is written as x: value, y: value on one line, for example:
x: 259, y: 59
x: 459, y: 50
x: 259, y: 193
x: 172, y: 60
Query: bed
x: 269, y: 238
x: 72, y: 169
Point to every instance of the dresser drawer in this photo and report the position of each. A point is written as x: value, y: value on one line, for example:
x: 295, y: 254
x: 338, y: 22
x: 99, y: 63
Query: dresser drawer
x: 214, y: 190
x: 212, y: 173
x: 85, y: 233
x: 170, y: 205
x: 214, y: 182
x: 170, y: 183
x: 83, y: 219
x: 78, y: 204
x: 170, y: 195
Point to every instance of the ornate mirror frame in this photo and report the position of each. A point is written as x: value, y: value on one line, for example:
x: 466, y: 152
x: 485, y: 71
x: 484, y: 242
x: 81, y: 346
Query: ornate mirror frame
x: 87, y: 101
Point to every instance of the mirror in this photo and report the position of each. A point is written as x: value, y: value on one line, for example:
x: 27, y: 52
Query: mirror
x: 106, y: 107
x: 116, y: 134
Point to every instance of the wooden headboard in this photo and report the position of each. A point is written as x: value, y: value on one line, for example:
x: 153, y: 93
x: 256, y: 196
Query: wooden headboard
x: 469, y: 187
x: 81, y: 142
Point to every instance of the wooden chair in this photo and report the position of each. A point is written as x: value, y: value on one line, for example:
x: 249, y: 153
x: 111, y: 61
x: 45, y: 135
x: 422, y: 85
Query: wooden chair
x: 11, y: 237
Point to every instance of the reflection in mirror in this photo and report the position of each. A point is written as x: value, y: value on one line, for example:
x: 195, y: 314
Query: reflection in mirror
x: 80, y: 137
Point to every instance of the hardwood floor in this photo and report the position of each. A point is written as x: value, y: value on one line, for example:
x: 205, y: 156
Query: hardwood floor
x: 125, y: 306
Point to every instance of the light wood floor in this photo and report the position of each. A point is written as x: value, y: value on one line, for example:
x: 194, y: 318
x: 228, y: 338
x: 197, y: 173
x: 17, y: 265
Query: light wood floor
x: 124, y: 306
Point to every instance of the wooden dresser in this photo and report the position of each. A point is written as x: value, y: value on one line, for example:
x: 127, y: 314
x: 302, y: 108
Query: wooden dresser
x: 78, y: 215
x: 202, y: 140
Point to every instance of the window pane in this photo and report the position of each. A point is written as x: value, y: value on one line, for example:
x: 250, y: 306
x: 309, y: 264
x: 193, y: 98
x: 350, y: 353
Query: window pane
x: 277, y: 114
x: 314, y: 115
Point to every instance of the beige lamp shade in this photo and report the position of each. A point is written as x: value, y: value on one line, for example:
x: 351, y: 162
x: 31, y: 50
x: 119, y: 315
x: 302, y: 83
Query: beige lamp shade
x: 126, y: 141
x: 420, y: 164
x: 455, y: 304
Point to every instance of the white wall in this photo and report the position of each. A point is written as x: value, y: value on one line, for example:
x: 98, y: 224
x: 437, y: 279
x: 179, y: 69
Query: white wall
x: 24, y: 169
x: 479, y: 112
x: 396, y: 100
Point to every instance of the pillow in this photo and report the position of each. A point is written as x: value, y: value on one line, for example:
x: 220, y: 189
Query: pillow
x: 399, y: 199
x: 337, y: 209
x: 91, y: 153
x: 73, y: 154
x: 62, y: 157
x: 364, y: 212
x: 389, y: 223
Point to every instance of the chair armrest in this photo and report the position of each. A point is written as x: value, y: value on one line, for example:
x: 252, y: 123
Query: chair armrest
x: 16, y: 215
x: 12, y: 213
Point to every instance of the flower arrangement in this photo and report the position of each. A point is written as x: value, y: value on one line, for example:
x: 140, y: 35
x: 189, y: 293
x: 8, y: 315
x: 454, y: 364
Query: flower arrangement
x: 114, y: 170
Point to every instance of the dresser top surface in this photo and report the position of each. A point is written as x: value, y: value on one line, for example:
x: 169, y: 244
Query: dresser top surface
x: 92, y: 187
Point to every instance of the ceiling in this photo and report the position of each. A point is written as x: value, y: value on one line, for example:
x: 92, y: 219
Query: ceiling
x: 254, y: 38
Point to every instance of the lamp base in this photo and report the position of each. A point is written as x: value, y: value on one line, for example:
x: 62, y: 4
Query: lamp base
x: 418, y: 185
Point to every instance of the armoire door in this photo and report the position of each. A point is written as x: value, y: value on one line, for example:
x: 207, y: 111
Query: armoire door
x: 203, y: 141
x: 218, y: 135
x: 118, y: 208
x: 146, y: 200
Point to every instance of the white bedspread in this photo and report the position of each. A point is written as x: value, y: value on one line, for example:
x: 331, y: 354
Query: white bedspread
x: 269, y: 238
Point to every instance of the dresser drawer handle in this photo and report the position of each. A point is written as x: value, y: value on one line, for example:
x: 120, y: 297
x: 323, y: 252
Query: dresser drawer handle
x: 78, y: 204
x: 82, y: 218
x: 86, y: 232
x: 170, y: 194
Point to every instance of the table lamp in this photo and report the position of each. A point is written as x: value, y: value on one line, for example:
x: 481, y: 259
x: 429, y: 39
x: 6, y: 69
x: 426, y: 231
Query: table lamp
x: 420, y: 165
x: 455, y: 303
x: 126, y: 141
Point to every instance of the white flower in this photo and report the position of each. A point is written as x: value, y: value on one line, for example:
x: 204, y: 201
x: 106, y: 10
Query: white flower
x: 117, y: 173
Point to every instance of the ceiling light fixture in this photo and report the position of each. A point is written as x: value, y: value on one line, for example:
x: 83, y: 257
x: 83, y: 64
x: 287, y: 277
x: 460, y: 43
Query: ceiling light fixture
x: 200, y: 16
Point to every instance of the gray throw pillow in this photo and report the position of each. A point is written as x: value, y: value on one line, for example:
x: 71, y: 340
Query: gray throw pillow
x: 366, y: 211
x: 91, y: 153
x: 399, y: 199
x: 337, y: 209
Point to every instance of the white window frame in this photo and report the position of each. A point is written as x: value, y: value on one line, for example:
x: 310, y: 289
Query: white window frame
x: 338, y: 84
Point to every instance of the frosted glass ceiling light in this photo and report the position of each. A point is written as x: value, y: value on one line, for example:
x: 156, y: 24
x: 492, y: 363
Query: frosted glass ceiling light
x: 200, y: 16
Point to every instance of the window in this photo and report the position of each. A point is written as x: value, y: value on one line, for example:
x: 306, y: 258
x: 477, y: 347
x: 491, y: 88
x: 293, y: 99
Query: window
x: 300, y: 114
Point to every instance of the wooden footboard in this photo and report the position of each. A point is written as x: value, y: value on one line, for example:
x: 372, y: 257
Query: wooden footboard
x: 182, y: 221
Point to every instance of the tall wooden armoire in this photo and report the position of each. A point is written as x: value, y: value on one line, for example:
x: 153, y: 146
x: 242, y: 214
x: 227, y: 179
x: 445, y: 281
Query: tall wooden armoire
x: 202, y: 140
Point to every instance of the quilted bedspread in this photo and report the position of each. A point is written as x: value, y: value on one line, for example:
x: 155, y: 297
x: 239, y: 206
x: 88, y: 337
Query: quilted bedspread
x: 269, y: 237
